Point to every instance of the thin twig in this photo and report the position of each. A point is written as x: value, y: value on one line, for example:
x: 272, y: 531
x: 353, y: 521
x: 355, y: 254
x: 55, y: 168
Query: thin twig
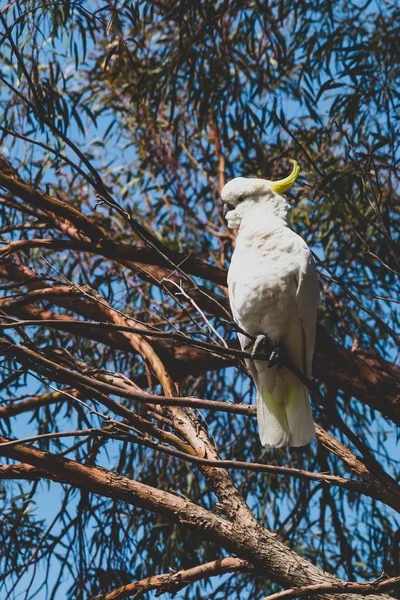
x: 355, y: 486
x: 193, y: 303
x: 58, y: 434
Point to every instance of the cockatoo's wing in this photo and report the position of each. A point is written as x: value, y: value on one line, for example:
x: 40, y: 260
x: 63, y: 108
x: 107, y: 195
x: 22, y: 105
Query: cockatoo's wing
x: 300, y: 347
x: 307, y: 297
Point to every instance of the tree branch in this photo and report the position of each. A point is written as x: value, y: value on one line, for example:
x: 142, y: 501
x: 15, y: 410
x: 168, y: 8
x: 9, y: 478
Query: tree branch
x: 16, y: 408
x: 173, y: 582
x: 366, y: 376
x: 50, y: 205
x: 249, y: 541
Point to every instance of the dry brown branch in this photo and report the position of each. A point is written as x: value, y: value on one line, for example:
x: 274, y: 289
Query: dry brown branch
x: 46, y: 293
x: 22, y: 471
x: 173, y: 582
x: 122, y: 253
x: 366, y: 376
x: 327, y: 478
x: 118, y: 430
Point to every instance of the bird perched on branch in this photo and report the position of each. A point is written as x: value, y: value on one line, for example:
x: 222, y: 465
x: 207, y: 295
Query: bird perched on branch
x: 273, y: 292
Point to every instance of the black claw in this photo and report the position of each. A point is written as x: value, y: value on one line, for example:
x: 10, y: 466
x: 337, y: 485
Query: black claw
x: 274, y: 358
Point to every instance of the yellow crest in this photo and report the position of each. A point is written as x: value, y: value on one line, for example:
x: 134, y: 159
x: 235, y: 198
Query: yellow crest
x: 281, y: 186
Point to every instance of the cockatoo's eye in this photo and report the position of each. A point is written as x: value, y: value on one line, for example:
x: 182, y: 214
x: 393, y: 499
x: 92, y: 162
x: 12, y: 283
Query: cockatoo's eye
x: 240, y: 198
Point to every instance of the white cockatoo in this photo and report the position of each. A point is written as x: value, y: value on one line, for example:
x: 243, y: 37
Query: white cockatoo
x: 273, y: 293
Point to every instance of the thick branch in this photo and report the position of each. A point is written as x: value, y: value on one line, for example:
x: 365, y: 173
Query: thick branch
x: 381, y: 485
x: 366, y: 376
x: 50, y: 204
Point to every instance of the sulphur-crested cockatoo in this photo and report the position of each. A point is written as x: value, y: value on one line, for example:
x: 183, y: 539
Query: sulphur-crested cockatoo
x: 273, y: 292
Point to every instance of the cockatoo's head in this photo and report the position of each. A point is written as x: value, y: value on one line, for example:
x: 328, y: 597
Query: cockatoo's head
x: 241, y: 193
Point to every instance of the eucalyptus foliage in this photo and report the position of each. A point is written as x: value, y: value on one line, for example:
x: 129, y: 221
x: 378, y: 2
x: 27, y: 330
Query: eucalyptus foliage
x: 157, y: 104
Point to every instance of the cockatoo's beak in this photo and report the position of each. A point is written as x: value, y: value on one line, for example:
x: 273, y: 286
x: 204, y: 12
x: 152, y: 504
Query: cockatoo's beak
x: 225, y: 209
x: 281, y: 186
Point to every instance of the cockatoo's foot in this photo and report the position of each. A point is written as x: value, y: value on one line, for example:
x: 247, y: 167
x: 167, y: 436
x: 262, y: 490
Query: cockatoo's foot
x: 260, y: 346
x: 263, y: 345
